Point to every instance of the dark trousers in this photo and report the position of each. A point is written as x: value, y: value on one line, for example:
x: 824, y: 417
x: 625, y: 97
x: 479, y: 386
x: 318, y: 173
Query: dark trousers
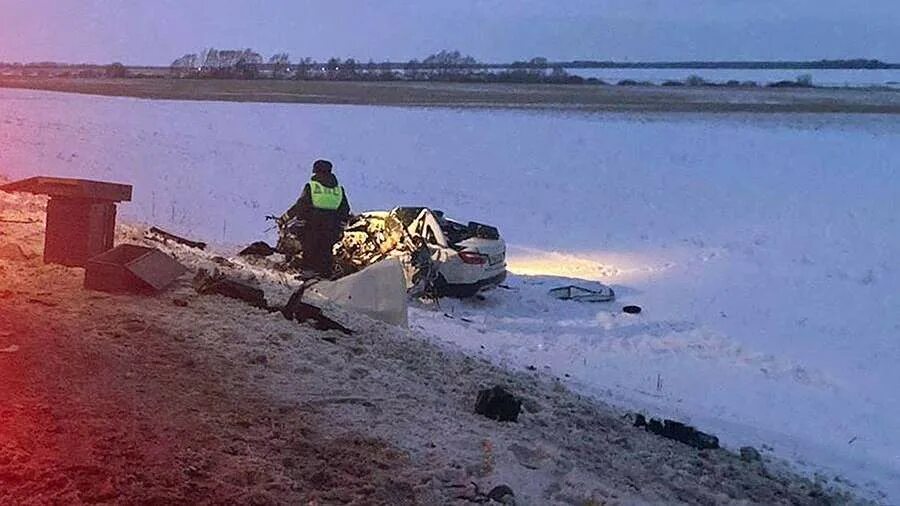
x: 318, y: 251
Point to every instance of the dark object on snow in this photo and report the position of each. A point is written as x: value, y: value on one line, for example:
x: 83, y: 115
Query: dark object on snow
x: 81, y: 216
x: 632, y: 309
x: 300, y: 311
x: 498, y: 404
x: 216, y: 283
x: 258, y: 249
x: 750, y: 454
x: 580, y: 294
x: 180, y: 240
x: 679, y: 432
x: 499, y: 492
x: 128, y: 268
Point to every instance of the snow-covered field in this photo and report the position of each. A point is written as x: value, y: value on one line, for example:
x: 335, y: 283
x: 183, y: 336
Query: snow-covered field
x: 762, y: 248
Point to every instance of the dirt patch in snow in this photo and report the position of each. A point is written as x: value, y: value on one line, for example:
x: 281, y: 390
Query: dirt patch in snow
x: 137, y: 400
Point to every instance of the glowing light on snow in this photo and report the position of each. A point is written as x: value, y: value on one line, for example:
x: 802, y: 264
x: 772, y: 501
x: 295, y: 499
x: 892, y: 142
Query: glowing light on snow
x: 595, y: 266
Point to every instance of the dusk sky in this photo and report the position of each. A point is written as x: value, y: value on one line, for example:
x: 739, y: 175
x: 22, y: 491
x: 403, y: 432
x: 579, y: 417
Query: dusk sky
x: 157, y: 31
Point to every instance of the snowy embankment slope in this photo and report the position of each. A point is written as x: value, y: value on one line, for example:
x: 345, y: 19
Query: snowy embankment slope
x: 217, y: 402
x: 762, y: 248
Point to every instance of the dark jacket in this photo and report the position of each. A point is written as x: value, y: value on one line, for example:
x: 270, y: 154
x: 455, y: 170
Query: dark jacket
x: 321, y: 219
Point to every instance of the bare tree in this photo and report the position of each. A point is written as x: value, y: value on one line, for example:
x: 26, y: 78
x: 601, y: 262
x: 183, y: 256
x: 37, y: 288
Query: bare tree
x: 281, y: 63
x: 116, y: 70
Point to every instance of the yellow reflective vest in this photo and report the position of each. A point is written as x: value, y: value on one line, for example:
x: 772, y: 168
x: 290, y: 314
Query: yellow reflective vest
x: 325, y: 198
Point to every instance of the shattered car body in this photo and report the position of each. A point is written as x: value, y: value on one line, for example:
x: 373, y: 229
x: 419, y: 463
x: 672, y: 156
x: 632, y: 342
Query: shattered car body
x: 440, y: 256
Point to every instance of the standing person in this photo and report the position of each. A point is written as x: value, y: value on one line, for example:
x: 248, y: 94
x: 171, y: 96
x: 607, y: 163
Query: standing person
x: 324, y: 208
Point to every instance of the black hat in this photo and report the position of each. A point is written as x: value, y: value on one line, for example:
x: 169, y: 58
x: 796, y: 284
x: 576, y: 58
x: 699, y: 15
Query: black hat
x: 322, y: 166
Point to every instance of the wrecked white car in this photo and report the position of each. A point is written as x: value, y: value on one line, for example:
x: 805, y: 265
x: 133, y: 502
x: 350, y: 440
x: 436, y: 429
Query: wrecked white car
x: 440, y: 256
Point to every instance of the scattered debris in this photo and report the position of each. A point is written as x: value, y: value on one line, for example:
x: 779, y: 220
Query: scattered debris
x: 462, y: 319
x: 206, y: 283
x: 259, y: 249
x: 750, y: 454
x: 581, y: 294
x: 10, y: 349
x: 300, y: 311
x: 679, y: 432
x: 500, y: 493
x: 161, y: 235
x: 632, y: 309
x: 129, y: 268
x: 498, y: 404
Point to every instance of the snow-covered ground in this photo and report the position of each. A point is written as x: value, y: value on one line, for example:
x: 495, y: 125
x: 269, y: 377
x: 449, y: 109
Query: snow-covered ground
x: 763, y: 249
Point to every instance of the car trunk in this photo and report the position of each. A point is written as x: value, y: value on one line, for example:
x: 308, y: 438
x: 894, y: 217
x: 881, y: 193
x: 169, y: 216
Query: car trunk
x: 494, y: 250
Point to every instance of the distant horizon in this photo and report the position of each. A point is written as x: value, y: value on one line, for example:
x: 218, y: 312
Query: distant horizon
x: 154, y: 33
x: 821, y: 62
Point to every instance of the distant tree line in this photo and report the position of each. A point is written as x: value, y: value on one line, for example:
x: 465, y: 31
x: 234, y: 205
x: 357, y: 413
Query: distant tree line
x: 444, y: 66
x: 857, y: 63
x: 50, y: 69
x: 447, y: 66
x: 802, y: 81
